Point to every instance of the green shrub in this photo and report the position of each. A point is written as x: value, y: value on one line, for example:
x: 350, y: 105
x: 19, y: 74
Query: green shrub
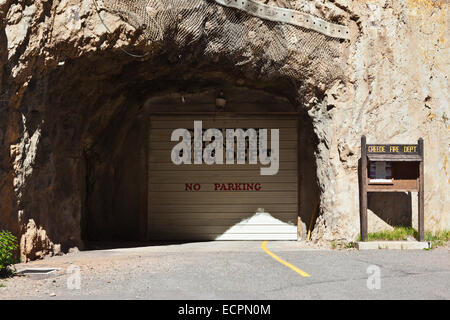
x: 398, y: 233
x: 438, y: 238
x: 8, y: 246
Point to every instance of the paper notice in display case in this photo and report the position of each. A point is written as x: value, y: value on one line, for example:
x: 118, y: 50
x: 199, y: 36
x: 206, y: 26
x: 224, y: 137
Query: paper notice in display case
x: 380, y: 172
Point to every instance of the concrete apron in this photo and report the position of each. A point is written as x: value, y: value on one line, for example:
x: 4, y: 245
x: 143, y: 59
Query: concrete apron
x: 397, y: 245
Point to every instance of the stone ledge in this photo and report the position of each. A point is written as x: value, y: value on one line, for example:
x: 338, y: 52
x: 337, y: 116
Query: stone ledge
x: 398, y: 245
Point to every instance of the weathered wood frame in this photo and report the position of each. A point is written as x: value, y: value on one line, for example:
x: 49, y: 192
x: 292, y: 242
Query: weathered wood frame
x: 400, y: 157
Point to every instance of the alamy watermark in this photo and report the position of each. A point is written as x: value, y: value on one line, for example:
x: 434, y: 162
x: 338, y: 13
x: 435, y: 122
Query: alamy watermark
x: 74, y: 279
x: 251, y: 144
x: 374, y: 279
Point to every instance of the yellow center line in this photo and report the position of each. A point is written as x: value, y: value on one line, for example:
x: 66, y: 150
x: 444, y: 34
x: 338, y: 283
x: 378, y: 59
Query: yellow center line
x: 287, y: 264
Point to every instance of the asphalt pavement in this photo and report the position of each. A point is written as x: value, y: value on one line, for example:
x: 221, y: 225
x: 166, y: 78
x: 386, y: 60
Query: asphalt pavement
x: 237, y: 270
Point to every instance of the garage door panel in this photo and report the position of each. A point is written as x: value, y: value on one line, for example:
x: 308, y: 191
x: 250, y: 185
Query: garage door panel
x: 166, y: 236
x: 217, y: 229
x: 291, y: 235
x: 221, y: 213
x: 226, y: 123
x: 210, y: 187
x: 283, y: 165
x: 224, y: 116
x: 213, y: 216
x: 220, y: 177
x: 164, y: 135
x: 211, y: 219
x: 164, y: 156
x: 256, y: 202
x: 168, y: 145
x: 225, y: 197
x: 242, y: 209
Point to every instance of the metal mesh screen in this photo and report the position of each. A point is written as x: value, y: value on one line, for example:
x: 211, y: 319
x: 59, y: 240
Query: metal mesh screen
x: 273, y: 48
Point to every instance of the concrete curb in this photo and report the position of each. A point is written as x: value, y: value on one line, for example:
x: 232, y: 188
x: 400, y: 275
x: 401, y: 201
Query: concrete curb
x: 397, y: 245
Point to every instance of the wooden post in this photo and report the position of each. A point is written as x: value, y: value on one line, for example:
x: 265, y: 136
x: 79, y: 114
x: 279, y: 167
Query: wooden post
x: 421, y: 192
x: 363, y: 190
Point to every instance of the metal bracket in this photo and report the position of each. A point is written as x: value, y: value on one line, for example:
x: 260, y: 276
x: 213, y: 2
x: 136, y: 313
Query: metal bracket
x: 289, y: 16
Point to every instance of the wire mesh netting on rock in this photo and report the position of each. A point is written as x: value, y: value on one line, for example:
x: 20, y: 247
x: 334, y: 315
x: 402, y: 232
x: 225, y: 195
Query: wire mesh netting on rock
x: 272, y: 48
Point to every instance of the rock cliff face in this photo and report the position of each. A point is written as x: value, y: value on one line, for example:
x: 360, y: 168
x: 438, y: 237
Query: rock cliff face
x: 75, y: 76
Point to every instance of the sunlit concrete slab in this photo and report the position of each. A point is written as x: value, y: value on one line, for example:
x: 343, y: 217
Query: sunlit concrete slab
x: 396, y: 245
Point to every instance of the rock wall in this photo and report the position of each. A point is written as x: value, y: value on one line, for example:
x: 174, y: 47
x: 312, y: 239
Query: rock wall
x: 397, y: 91
x: 67, y: 85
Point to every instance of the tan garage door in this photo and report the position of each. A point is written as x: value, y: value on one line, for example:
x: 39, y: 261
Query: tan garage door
x: 221, y: 202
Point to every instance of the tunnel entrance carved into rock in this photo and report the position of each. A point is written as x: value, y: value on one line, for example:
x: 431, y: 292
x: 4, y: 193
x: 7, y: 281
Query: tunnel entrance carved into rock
x: 79, y: 114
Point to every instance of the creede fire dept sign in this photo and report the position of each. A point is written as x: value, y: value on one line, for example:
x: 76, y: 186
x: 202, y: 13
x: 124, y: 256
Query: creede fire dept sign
x: 391, y: 168
x: 223, y: 177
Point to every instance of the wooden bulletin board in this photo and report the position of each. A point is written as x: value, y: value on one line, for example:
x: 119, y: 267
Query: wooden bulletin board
x: 391, y: 168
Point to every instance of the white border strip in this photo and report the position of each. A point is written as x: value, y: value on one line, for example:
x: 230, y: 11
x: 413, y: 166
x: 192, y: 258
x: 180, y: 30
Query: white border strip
x: 289, y: 16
